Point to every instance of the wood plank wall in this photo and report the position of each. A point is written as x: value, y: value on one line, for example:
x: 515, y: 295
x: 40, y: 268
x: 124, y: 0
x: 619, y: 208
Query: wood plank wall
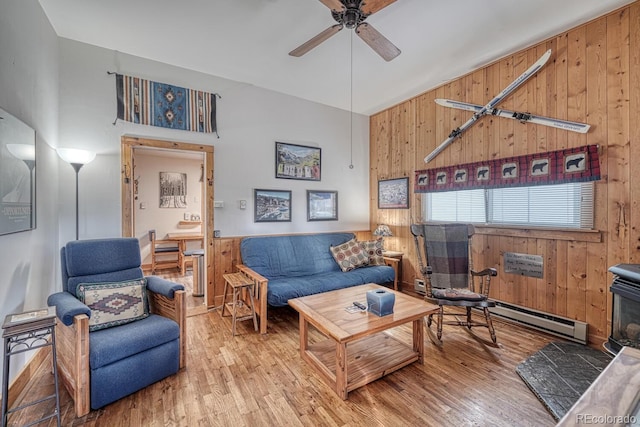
x: 593, y: 76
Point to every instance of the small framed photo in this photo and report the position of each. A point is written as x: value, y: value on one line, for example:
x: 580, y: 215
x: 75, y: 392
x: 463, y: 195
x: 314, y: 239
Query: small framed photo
x: 393, y: 193
x: 322, y: 205
x: 298, y: 162
x: 272, y: 205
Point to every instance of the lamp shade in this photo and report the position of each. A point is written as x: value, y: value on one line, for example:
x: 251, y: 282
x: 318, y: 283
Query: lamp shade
x: 76, y: 156
x: 22, y: 151
x: 382, y: 230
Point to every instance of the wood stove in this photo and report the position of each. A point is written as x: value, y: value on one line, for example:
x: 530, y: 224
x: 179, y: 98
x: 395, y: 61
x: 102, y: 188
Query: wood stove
x: 625, y: 317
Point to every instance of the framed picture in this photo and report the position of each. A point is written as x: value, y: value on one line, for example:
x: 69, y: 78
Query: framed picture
x: 17, y: 175
x: 173, y: 190
x: 272, y: 205
x: 298, y: 162
x: 393, y: 193
x: 322, y: 205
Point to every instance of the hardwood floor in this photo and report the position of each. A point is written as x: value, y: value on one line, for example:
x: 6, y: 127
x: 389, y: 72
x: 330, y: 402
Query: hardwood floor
x: 260, y: 380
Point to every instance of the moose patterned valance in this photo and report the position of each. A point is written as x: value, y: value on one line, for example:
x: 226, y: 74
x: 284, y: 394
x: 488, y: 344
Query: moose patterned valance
x: 159, y: 104
x: 555, y: 167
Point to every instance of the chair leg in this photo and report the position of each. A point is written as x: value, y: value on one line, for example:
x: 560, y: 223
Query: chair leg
x: 432, y: 336
x: 469, y: 317
x: 440, y: 320
x: 492, y: 331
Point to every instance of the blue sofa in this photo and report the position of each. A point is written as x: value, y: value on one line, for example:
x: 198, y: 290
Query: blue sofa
x: 101, y: 366
x: 285, y: 267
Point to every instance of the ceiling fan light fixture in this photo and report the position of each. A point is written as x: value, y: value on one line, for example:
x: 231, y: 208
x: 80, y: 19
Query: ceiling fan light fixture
x: 352, y: 17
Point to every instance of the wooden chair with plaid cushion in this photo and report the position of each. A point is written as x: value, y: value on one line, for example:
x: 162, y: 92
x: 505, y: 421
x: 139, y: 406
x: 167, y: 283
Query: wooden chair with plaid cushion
x: 450, y: 279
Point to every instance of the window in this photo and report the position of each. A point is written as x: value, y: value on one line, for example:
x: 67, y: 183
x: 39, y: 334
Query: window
x: 564, y: 205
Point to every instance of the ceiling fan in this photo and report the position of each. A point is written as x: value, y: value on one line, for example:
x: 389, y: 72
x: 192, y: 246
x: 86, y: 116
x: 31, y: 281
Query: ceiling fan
x: 352, y: 14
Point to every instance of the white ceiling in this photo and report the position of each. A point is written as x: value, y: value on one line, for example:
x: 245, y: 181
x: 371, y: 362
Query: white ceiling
x: 249, y: 40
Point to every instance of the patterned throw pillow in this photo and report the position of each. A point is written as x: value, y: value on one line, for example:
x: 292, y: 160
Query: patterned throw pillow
x: 115, y: 303
x: 349, y: 255
x: 373, y: 249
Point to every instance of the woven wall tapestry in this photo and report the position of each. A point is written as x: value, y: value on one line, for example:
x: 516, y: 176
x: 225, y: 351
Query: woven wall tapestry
x: 164, y: 105
x: 554, y: 167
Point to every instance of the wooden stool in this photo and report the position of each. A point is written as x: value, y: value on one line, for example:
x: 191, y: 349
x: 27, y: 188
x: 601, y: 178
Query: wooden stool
x: 238, y: 281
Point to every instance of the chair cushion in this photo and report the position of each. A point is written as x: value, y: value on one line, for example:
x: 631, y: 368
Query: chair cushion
x: 349, y: 255
x: 457, y: 294
x: 114, y: 303
x: 373, y: 249
x: 113, y: 344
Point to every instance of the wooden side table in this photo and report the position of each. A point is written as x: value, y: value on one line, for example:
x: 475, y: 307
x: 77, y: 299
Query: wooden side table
x: 238, y: 282
x: 24, y: 332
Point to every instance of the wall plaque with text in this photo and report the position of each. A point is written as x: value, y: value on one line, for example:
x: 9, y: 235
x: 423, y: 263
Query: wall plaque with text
x: 523, y: 264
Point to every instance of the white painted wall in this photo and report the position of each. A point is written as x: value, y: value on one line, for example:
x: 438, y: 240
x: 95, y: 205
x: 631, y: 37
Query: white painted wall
x: 29, y: 91
x: 250, y: 120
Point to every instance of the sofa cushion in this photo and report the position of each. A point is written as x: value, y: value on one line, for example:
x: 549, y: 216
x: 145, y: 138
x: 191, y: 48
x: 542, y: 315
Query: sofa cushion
x: 281, y: 290
x: 276, y: 257
x: 114, y: 303
x: 349, y: 255
x: 373, y: 249
x: 113, y: 344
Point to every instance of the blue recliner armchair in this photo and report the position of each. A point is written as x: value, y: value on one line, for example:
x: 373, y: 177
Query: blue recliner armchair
x: 99, y: 364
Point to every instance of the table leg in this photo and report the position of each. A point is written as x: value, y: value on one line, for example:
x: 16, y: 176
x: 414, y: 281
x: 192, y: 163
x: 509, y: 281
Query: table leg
x: 341, y: 370
x: 418, y: 339
x: 304, y: 336
x: 224, y: 298
x: 235, y: 312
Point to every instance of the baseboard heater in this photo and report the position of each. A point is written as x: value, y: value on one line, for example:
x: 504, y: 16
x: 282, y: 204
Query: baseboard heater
x: 570, y: 329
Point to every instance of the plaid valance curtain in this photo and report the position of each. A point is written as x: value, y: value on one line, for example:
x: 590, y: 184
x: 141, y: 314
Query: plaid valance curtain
x: 159, y: 104
x: 555, y: 167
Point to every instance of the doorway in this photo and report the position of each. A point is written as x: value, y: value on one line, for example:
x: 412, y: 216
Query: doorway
x: 199, y: 197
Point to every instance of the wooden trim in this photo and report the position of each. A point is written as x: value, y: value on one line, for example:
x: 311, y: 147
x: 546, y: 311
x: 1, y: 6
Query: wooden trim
x: 127, y: 145
x: 593, y: 236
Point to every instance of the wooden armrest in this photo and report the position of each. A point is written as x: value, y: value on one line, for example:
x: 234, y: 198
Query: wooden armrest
x: 485, y: 272
x: 72, y: 352
x: 176, y: 310
x: 260, y: 294
x: 393, y: 263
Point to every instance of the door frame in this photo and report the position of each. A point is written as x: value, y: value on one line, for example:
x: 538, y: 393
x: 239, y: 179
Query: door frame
x: 128, y: 143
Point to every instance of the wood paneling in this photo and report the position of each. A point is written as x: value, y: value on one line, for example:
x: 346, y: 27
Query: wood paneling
x: 593, y: 76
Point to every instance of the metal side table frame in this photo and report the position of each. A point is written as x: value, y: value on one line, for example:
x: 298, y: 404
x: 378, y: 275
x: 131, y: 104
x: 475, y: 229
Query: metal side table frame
x: 25, y: 332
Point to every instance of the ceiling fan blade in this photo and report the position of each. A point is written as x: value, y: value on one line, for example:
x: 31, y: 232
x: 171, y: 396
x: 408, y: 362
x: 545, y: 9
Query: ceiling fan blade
x: 315, y: 41
x: 372, y: 6
x: 377, y: 41
x: 334, y: 4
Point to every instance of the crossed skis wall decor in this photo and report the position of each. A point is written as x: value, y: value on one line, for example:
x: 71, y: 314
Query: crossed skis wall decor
x: 480, y: 111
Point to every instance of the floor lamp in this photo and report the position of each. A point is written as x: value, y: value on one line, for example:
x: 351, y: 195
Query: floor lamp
x: 76, y: 158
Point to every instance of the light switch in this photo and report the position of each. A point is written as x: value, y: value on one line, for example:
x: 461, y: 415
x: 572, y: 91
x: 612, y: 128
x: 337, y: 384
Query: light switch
x: 218, y: 204
x: 143, y: 205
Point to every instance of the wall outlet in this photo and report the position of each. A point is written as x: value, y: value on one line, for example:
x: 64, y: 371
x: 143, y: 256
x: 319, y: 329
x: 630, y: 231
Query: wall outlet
x: 243, y: 204
x: 419, y: 286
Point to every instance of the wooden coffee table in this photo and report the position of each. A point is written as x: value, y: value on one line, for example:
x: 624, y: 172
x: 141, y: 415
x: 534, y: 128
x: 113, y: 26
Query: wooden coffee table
x: 357, y: 350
